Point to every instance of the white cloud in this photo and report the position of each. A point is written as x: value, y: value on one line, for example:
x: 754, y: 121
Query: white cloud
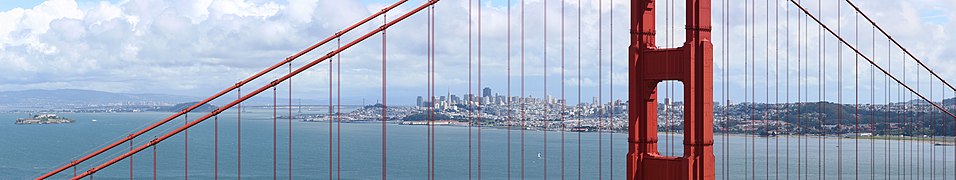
x: 198, y: 47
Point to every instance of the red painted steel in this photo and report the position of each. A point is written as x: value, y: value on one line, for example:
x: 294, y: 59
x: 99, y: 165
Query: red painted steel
x: 691, y: 64
x: 257, y: 91
x: 223, y: 92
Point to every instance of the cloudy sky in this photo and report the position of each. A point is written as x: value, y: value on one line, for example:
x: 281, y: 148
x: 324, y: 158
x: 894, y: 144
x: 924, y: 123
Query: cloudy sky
x: 198, y: 47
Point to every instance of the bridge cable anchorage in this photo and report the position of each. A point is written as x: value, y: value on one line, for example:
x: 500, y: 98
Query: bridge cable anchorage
x: 221, y: 93
x: 257, y: 91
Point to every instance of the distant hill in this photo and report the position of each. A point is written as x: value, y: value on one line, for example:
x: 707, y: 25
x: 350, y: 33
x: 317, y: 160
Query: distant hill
x: 84, y: 98
x: 181, y: 106
x: 76, y: 97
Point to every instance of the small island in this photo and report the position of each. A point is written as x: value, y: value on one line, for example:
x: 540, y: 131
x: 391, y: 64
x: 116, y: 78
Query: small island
x: 44, y: 119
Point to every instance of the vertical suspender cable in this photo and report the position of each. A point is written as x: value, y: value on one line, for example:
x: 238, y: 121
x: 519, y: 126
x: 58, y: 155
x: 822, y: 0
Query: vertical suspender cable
x: 918, y: 120
x: 600, y: 106
x: 431, y: 138
x: 216, y: 147
x: 673, y: 119
x: 185, y: 147
x: 578, y: 106
x: 338, y: 112
x: 131, y: 161
x: 523, y: 125
x: 839, y: 95
x: 432, y: 35
x: 909, y: 127
x: 670, y: 84
x: 805, y: 94
x: 274, y: 123
x: 470, y: 99
x: 889, y: 107
x: 746, y: 80
x: 238, y: 135
x: 767, y: 85
x: 821, y: 51
x: 856, y: 116
x: 821, y: 93
x: 154, y: 161
x: 725, y: 160
x: 547, y: 101
x: 331, y: 110
x: 384, y: 104
x: 561, y: 112
x: 611, y: 88
x: 723, y: 99
x: 508, y: 100
x: 290, y: 120
x: 776, y: 45
x: 480, y: 100
x: 901, y: 144
x: 667, y: 89
x: 753, y: 88
x: 428, y: 78
x: 872, y: 104
x: 800, y: 57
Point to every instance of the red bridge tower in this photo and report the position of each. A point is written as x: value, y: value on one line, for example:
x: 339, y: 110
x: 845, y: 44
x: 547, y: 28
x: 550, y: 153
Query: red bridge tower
x: 691, y: 64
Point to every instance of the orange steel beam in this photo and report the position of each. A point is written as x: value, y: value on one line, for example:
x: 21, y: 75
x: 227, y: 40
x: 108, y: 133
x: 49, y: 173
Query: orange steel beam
x: 691, y: 64
x: 250, y: 95
x: 223, y: 92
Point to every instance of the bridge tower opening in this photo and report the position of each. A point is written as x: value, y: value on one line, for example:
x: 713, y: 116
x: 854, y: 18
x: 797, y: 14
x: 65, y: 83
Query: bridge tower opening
x: 692, y: 64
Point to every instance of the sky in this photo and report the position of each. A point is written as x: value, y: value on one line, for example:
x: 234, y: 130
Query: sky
x: 198, y: 47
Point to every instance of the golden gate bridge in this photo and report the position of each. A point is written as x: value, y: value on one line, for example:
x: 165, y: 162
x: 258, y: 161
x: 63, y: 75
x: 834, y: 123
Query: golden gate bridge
x: 649, y: 65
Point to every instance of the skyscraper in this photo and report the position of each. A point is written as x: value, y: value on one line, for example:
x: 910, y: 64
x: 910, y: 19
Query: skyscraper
x: 486, y: 92
x: 420, y: 101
